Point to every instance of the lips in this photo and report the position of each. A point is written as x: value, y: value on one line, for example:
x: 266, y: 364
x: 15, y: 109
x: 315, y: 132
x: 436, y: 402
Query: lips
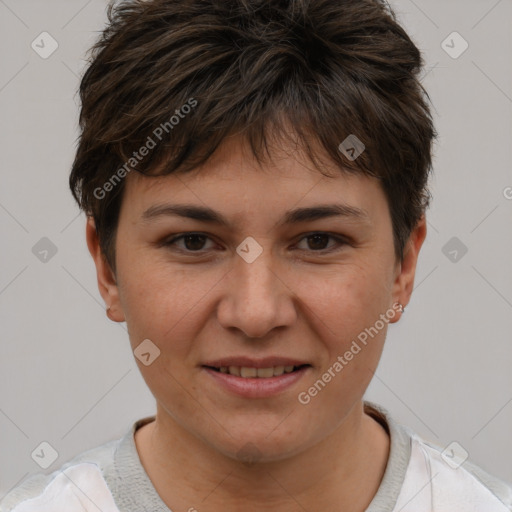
x: 255, y: 368
x: 249, y: 377
x: 253, y: 372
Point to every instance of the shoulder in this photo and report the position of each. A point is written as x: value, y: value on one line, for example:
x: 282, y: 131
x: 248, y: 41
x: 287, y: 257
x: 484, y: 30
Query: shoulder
x: 447, y: 480
x: 423, y: 477
x: 79, y: 485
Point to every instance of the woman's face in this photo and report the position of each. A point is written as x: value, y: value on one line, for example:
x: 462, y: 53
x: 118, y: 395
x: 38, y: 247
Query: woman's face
x: 261, y: 291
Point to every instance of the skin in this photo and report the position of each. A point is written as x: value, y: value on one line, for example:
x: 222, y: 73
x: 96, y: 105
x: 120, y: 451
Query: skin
x: 296, y: 299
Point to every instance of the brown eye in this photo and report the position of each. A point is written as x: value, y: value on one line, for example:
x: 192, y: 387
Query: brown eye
x: 192, y: 242
x: 318, y: 242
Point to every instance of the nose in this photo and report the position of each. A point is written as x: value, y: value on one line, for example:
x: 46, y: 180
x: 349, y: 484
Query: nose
x: 257, y: 297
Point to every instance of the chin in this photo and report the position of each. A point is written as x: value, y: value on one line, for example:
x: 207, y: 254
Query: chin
x: 260, y: 448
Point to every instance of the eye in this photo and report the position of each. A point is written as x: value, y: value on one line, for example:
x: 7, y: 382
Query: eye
x: 193, y: 242
x: 317, y: 242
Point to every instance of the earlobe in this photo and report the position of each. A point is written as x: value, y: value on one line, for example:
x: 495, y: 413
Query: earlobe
x: 106, y: 279
x: 404, y: 280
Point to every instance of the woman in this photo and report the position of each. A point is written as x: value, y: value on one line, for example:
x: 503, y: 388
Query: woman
x: 255, y: 178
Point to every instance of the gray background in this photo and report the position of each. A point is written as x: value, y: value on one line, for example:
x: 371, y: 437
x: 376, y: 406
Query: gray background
x: 67, y: 375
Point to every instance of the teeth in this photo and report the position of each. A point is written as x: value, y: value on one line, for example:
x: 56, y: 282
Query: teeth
x: 248, y: 372
x: 265, y: 372
x: 278, y: 370
x: 234, y: 370
x: 262, y: 373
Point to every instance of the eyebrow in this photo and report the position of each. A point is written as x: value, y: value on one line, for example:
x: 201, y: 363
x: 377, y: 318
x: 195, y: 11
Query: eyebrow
x: 295, y: 216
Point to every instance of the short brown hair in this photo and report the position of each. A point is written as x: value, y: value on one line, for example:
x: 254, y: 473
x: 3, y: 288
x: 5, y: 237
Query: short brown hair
x: 327, y: 68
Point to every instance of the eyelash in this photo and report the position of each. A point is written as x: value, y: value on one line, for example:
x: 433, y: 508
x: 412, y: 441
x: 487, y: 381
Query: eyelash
x: 340, y: 241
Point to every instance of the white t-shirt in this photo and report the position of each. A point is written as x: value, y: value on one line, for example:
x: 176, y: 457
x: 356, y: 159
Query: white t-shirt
x: 419, y: 477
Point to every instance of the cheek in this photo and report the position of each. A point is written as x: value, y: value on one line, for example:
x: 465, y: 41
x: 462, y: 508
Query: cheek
x: 345, y: 300
x: 345, y: 309
x: 163, y: 302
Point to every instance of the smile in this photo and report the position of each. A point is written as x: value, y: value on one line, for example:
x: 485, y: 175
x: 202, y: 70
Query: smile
x: 260, y: 373
x: 256, y: 382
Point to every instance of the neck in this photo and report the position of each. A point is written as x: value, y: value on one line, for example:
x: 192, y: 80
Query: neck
x: 342, y: 471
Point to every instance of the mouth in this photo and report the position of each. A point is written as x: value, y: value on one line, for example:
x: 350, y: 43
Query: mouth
x: 255, y: 378
x: 251, y: 372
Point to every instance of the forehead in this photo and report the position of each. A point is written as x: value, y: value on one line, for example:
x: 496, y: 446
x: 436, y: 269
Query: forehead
x: 233, y: 181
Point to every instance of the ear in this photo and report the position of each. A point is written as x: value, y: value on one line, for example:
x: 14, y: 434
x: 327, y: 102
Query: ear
x: 107, y: 284
x: 406, y: 269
